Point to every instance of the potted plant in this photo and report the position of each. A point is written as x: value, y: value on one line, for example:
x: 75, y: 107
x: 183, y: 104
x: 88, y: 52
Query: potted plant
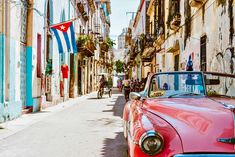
x: 82, y: 40
x: 49, y: 67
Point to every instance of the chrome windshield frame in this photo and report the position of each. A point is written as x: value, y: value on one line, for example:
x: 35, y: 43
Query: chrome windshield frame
x: 178, y: 72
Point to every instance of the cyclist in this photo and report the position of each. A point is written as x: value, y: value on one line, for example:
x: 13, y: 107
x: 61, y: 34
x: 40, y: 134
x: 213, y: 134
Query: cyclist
x: 102, y: 83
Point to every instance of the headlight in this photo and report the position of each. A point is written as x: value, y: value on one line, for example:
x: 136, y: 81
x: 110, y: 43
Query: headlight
x: 151, y: 143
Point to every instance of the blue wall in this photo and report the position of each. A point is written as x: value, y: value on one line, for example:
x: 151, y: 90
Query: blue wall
x: 12, y: 108
x: 35, y: 104
x: 2, y: 109
x: 1, y: 67
x: 29, y: 89
x: 12, y: 69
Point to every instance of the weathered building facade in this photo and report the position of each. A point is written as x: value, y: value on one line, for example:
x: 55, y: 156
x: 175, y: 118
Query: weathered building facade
x: 200, y: 31
x: 31, y: 74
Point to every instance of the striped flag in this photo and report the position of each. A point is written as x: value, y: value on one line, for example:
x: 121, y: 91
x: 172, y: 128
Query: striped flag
x: 65, y: 36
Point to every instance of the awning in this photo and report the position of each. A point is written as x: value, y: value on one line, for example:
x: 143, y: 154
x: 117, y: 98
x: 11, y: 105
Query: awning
x: 148, y: 52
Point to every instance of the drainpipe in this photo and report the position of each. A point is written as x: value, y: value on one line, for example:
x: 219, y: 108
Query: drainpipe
x: 45, y: 36
x: 43, y: 95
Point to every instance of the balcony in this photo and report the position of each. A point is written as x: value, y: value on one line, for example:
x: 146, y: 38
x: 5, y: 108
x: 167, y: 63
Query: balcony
x: 175, y: 23
x: 82, y: 11
x: 196, y: 3
x: 104, y: 47
x: 147, y: 46
x: 159, y: 41
x: 86, y: 45
x: 92, y: 5
x: 149, y: 39
x: 174, y: 47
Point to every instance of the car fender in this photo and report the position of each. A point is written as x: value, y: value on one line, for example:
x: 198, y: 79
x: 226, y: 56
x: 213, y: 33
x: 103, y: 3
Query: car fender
x: 143, y: 121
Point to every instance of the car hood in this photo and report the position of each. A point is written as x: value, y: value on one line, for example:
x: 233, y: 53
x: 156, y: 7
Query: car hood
x: 200, y: 122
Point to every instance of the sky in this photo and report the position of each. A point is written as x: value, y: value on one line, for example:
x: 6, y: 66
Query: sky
x: 119, y: 17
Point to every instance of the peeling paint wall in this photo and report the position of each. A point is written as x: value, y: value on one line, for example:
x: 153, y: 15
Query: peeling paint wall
x: 11, y: 105
x: 214, y: 20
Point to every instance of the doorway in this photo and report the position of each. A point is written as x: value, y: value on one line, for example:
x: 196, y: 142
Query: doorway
x: 176, y: 64
x: 79, y: 75
x: 203, y: 53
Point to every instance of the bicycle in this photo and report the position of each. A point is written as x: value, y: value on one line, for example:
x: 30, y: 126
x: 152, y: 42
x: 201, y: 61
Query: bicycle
x: 100, y: 93
x: 104, y: 90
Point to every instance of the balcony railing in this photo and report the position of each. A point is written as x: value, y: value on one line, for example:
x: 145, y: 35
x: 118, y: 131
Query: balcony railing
x: 175, y: 23
x: 160, y: 38
x: 196, y: 3
x: 82, y: 11
x: 86, y: 45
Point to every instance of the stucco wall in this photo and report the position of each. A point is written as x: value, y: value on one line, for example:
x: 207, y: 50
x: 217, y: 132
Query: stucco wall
x: 212, y: 21
x: 11, y: 107
x: 140, y: 26
x: 56, y: 8
x: 1, y: 15
x: 38, y: 28
x: 215, y: 26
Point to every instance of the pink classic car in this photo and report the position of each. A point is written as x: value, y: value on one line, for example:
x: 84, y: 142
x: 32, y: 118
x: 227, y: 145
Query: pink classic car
x: 182, y: 114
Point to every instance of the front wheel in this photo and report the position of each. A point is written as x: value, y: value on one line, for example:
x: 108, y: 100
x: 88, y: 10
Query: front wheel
x: 99, y: 95
x: 110, y: 93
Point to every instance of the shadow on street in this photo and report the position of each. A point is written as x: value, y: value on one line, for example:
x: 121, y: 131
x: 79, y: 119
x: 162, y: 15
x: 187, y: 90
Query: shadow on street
x: 116, y: 147
x: 117, y: 109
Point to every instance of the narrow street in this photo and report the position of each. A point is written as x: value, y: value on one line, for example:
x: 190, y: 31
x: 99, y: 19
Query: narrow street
x: 89, y: 128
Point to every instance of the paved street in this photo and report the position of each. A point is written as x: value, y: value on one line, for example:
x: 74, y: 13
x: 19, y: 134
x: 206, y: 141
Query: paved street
x: 87, y: 127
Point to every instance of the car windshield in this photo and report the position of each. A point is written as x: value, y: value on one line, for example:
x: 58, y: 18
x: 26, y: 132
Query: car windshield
x: 176, y: 85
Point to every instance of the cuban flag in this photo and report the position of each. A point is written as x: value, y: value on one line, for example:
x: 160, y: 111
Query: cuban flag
x: 65, y: 36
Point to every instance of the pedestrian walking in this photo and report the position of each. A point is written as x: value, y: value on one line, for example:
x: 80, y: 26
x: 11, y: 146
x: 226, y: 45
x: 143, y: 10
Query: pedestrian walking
x: 127, y: 88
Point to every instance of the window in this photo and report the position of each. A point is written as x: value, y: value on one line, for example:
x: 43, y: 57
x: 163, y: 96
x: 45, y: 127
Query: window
x: 176, y: 67
x: 175, y: 7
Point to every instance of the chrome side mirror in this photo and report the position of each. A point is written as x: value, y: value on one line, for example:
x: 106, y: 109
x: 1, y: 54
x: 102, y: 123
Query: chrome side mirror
x: 134, y: 96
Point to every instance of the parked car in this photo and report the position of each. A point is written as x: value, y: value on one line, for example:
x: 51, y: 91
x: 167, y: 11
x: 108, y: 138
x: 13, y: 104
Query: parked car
x: 176, y: 117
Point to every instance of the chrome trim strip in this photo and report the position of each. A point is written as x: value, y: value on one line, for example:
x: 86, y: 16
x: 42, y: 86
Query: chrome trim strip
x: 204, y: 155
x: 131, y: 139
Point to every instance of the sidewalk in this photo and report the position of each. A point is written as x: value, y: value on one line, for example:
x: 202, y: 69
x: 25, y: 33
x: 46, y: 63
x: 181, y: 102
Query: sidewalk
x: 11, y: 127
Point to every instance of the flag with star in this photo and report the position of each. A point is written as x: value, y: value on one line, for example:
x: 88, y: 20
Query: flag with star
x: 65, y: 36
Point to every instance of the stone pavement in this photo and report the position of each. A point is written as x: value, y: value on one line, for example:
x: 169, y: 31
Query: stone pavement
x: 82, y: 127
x: 25, y: 120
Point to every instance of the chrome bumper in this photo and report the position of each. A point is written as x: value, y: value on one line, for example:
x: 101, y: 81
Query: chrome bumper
x: 205, y: 155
